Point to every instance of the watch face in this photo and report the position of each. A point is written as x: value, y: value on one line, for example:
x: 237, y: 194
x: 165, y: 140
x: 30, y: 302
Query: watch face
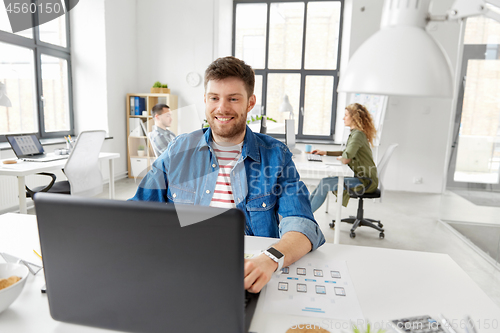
x: 275, y: 252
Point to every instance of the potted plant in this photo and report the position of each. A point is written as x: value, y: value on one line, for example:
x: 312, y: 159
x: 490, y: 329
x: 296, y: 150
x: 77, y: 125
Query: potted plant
x: 258, y: 118
x: 164, y: 89
x: 140, y: 150
x: 156, y: 88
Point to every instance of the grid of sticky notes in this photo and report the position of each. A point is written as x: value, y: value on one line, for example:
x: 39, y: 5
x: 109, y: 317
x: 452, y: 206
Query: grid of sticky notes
x: 316, y: 286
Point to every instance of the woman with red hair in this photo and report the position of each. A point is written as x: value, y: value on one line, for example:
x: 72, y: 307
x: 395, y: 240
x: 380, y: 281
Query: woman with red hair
x: 357, y: 155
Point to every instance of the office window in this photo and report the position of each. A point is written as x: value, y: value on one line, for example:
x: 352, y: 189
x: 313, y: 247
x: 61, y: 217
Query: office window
x: 294, y: 48
x: 35, y: 79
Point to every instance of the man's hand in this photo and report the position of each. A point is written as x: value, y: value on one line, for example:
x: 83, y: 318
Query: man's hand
x: 258, y: 272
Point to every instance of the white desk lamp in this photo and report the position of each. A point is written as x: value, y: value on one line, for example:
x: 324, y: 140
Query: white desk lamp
x: 286, y: 106
x: 402, y: 58
x: 4, y: 100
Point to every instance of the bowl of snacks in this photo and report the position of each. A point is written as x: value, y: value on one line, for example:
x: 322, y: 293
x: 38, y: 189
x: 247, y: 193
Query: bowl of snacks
x: 12, y: 280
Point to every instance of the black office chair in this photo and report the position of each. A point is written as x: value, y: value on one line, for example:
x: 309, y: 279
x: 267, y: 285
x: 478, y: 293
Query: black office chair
x: 359, y: 220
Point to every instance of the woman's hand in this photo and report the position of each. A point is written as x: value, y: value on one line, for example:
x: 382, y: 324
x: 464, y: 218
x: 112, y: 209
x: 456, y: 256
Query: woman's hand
x: 318, y: 152
x: 344, y: 160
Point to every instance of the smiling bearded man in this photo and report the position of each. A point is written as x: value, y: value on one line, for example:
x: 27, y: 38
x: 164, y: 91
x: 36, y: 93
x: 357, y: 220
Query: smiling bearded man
x: 229, y: 166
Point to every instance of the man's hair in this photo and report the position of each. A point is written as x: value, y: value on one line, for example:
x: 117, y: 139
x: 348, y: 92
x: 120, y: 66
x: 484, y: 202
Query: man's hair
x: 158, y: 109
x: 223, y: 68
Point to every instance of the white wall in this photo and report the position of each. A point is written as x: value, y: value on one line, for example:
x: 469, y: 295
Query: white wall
x: 104, y: 59
x: 175, y: 38
x: 121, y: 73
x: 419, y: 125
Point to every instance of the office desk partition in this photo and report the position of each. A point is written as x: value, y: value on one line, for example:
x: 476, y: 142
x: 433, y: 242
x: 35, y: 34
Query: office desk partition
x: 312, y: 172
x: 390, y: 284
x: 23, y: 169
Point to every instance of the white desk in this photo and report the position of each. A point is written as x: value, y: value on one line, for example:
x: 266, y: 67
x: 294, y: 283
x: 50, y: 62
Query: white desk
x: 23, y: 169
x: 315, y: 171
x: 390, y: 284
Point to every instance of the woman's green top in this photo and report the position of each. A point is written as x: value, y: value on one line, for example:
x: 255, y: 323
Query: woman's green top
x: 359, y: 152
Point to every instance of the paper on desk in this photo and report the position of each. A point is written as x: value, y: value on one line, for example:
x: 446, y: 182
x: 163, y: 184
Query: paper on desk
x: 314, y: 288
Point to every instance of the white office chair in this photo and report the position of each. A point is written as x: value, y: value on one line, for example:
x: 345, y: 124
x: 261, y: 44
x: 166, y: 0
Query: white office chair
x: 81, y: 169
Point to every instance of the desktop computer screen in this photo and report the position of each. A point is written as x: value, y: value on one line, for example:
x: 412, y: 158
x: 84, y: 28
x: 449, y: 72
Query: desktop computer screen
x: 290, y: 136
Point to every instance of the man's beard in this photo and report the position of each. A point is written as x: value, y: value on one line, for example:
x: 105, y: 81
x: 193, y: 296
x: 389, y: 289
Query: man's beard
x: 228, y: 132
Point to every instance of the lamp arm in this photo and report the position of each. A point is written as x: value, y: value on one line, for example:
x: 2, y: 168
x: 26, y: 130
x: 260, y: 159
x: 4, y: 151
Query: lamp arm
x: 466, y: 8
x: 493, y: 15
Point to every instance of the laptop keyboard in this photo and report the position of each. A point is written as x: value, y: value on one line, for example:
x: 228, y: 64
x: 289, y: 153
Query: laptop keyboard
x: 250, y: 297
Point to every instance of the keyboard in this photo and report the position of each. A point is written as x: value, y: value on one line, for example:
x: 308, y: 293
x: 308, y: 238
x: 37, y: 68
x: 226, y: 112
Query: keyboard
x: 250, y: 306
x: 420, y: 324
x: 314, y: 158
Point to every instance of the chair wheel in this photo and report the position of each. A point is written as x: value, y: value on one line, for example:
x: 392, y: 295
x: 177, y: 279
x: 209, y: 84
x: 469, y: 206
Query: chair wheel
x: 352, y: 234
x: 380, y: 225
x: 381, y: 235
x: 332, y: 225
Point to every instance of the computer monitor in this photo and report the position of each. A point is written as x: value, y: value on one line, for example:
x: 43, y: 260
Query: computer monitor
x: 290, y: 136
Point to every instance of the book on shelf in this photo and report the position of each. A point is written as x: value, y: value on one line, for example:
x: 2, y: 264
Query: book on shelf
x: 132, y: 105
x: 136, y: 106
x: 143, y: 126
x: 142, y: 105
x: 135, y: 127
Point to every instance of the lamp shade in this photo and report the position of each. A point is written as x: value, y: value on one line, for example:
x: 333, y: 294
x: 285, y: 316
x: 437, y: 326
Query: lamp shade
x: 4, y: 100
x: 285, y: 105
x: 400, y: 59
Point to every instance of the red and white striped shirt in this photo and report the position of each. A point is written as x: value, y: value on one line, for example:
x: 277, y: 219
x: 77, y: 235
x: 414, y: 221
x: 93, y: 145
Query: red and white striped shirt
x: 227, y: 156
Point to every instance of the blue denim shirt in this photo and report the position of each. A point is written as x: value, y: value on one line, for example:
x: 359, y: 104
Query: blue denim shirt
x: 265, y: 182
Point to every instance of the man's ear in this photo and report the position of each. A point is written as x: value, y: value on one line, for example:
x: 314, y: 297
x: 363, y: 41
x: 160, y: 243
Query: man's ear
x: 251, y: 102
x: 205, y: 98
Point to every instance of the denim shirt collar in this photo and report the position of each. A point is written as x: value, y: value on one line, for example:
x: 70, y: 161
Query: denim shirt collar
x: 250, y: 148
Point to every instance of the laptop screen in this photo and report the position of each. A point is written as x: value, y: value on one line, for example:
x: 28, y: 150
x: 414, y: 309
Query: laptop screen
x: 25, y: 145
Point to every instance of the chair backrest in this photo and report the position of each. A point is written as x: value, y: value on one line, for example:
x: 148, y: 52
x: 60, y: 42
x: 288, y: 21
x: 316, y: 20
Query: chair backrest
x: 155, y: 150
x: 382, y: 165
x: 82, y: 167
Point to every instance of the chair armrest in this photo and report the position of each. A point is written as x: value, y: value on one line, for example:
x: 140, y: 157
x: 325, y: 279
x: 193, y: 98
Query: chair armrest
x: 45, y: 189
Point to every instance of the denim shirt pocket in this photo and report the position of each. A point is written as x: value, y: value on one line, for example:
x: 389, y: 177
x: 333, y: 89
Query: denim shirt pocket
x: 262, y: 215
x: 261, y: 203
x: 181, y: 195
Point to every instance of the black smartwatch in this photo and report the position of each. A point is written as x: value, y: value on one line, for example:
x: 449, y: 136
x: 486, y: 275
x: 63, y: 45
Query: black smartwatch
x: 275, y: 256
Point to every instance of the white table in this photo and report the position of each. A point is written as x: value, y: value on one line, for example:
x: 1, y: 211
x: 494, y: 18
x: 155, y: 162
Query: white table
x: 329, y: 167
x: 390, y: 284
x: 23, y: 169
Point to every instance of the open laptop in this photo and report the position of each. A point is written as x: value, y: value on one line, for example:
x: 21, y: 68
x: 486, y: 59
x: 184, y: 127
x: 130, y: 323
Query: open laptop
x: 130, y: 266
x: 28, y: 148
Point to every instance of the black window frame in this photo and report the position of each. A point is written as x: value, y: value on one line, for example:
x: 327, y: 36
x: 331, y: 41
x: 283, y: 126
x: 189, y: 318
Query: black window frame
x: 303, y: 72
x: 40, y: 48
